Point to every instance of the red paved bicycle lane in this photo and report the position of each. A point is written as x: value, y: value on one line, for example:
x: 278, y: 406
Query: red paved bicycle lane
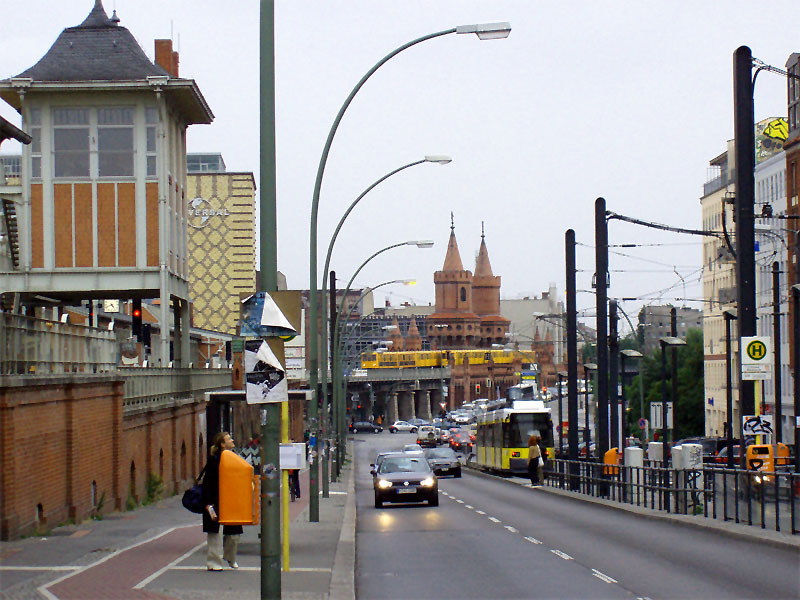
x: 115, y: 578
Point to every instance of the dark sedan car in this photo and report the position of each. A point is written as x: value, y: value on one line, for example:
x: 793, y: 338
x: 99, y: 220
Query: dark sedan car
x: 460, y: 442
x: 405, y: 477
x: 365, y: 427
x: 443, y: 461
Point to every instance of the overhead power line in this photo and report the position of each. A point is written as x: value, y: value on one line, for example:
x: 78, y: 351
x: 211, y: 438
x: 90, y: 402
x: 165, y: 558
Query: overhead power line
x: 612, y: 215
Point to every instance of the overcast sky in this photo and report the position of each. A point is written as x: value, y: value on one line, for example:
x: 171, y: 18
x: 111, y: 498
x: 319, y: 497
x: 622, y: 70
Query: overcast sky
x: 624, y: 100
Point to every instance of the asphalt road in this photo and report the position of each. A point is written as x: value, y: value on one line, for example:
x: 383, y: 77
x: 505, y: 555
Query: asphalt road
x: 492, y: 539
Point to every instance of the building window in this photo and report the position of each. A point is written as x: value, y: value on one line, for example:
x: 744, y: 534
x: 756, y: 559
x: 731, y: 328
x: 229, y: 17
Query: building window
x: 463, y: 294
x: 115, y: 142
x: 71, y: 142
x: 151, y: 119
x: 36, y: 143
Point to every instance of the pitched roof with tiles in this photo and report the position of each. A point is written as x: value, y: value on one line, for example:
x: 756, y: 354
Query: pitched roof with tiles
x: 96, y: 50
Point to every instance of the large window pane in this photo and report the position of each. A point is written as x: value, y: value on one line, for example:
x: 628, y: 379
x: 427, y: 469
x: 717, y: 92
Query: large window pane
x: 115, y: 151
x: 115, y: 116
x: 71, y: 152
x: 70, y: 116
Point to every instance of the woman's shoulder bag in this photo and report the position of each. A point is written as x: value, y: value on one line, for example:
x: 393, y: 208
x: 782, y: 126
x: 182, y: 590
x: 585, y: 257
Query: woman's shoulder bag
x: 193, y: 497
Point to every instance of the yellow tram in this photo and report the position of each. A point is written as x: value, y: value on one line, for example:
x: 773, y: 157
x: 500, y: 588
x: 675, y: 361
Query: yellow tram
x: 503, y: 432
x: 441, y: 358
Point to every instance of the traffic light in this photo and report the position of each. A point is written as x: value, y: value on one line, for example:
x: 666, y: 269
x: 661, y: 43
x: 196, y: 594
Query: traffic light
x: 477, y: 388
x: 136, y: 319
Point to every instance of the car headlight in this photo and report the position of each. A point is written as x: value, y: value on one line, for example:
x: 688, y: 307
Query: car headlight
x: 427, y: 482
x: 758, y: 478
x: 384, y: 484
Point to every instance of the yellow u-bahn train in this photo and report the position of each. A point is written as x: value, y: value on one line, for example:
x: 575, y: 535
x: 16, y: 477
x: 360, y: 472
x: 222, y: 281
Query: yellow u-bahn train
x: 502, y: 438
x: 441, y: 358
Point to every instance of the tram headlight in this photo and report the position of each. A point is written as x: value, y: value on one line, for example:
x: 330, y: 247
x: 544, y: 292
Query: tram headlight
x: 384, y: 484
x: 427, y: 482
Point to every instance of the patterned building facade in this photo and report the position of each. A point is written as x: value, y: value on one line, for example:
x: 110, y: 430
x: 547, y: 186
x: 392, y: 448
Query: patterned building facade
x: 221, y: 246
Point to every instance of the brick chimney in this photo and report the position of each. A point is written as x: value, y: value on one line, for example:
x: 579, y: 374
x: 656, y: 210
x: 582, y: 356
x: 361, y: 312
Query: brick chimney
x: 166, y: 58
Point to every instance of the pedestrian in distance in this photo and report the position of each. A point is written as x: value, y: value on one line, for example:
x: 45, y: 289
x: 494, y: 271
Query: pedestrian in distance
x: 222, y: 547
x: 534, y: 459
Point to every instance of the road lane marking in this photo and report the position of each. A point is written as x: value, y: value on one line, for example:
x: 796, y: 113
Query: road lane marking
x: 603, y: 576
x: 480, y: 512
x: 293, y: 569
x: 493, y: 520
x: 469, y: 506
x: 162, y: 570
x: 44, y: 591
x: 460, y: 501
x: 59, y: 568
x: 561, y: 554
x: 511, y: 529
x: 532, y: 540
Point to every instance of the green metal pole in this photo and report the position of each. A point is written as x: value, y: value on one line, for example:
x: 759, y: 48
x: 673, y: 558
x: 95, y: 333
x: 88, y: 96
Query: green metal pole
x: 271, y: 417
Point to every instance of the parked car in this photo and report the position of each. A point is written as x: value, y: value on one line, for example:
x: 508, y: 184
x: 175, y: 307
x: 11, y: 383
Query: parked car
x: 365, y: 427
x: 403, y: 477
x: 402, y: 426
x: 444, y: 461
x: 711, y: 445
x: 419, y: 422
x: 426, y: 436
x: 722, y: 456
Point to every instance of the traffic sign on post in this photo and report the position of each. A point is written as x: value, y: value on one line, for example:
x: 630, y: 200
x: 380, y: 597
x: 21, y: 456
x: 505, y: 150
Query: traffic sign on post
x: 756, y: 357
x: 655, y: 415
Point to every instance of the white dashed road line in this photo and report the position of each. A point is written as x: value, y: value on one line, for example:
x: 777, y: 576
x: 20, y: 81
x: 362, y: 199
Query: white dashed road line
x: 493, y: 520
x: 459, y: 501
x: 468, y: 506
x: 532, y: 540
x: 561, y: 554
x: 603, y: 576
x: 480, y: 512
x: 511, y: 529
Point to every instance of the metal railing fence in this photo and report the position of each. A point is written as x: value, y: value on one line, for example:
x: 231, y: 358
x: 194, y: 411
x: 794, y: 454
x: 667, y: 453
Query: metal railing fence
x: 32, y: 346
x: 756, y: 498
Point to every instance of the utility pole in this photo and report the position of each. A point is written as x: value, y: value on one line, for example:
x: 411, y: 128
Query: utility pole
x: 271, y: 414
x: 744, y: 145
x: 572, y: 357
x: 673, y: 323
x: 776, y: 344
x: 601, y: 283
x: 613, y: 370
x: 334, y: 358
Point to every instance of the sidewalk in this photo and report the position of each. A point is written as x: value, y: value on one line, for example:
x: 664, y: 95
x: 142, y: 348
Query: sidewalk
x: 158, y: 552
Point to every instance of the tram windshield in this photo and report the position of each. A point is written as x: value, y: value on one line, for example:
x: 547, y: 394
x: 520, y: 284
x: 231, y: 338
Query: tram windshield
x: 523, y: 425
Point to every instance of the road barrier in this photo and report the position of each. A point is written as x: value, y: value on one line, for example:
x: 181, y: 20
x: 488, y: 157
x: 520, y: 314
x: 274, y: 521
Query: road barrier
x: 769, y: 499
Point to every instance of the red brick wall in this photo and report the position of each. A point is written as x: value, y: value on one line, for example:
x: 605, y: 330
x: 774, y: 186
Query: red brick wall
x: 58, y: 435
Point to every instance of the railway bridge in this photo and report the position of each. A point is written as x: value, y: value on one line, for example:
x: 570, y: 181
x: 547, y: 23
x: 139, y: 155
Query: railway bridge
x: 402, y: 393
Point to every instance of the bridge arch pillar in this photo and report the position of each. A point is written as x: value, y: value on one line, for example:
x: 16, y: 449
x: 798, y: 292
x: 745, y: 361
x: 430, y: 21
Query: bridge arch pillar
x: 423, y: 399
x: 405, y: 405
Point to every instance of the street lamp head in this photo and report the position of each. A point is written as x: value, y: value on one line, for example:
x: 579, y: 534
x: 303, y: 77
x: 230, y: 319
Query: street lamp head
x: 487, y: 31
x: 672, y: 341
x: 420, y: 243
x: 406, y: 281
x: 439, y: 159
x: 590, y: 366
x: 628, y: 353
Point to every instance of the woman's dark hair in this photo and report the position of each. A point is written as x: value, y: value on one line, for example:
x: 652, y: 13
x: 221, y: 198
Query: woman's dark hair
x: 216, y: 445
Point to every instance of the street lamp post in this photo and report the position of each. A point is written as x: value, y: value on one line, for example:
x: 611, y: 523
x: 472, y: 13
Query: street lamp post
x: 623, y: 354
x: 729, y: 315
x: 484, y: 31
x: 796, y: 369
x: 562, y: 375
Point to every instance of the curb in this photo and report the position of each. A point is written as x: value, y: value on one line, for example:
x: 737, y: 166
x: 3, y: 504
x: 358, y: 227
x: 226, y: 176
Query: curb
x: 769, y: 537
x: 343, y: 573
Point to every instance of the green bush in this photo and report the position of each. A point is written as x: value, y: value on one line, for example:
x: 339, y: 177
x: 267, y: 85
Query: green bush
x: 154, y: 487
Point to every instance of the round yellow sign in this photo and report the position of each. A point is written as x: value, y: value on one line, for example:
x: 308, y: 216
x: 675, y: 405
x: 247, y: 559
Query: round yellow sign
x: 756, y: 350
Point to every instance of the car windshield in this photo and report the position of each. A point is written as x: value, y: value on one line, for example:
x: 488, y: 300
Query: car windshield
x: 441, y: 453
x: 403, y: 464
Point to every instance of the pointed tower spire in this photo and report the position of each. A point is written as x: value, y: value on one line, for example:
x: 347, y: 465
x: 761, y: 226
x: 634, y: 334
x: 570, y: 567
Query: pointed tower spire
x: 452, y: 260
x: 483, y: 268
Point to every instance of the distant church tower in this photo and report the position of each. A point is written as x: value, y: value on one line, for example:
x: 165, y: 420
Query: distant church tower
x: 486, y: 299
x: 454, y: 324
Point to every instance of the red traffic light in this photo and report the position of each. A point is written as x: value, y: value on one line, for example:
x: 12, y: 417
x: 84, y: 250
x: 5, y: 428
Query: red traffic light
x: 137, y: 313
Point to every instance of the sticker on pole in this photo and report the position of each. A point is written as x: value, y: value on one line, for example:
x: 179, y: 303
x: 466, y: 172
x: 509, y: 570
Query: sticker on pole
x: 261, y: 317
x: 265, y: 377
x: 756, y: 357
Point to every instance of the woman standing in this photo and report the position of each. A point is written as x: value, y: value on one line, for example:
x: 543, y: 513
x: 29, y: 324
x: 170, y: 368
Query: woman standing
x: 534, y: 457
x: 223, y: 548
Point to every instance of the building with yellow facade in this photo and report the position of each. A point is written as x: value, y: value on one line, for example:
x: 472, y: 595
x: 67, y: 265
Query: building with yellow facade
x: 220, y: 208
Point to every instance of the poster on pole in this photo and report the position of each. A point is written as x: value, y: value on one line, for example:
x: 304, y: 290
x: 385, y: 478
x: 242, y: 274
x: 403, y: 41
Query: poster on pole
x: 261, y: 317
x: 265, y: 377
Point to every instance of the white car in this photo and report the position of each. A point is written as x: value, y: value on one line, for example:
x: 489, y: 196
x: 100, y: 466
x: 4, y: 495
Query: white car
x: 402, y: 426
x: 413, y: 449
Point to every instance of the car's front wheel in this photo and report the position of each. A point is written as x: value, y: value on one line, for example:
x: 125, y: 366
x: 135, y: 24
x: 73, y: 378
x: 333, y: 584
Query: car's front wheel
x: 376, y: 431
x: 355, y: 430
x: 413, y: 430
x: 392, y: 430
x: 378, y: 502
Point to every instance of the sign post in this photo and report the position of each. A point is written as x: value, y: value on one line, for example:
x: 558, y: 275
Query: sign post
x: 756, y: 357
